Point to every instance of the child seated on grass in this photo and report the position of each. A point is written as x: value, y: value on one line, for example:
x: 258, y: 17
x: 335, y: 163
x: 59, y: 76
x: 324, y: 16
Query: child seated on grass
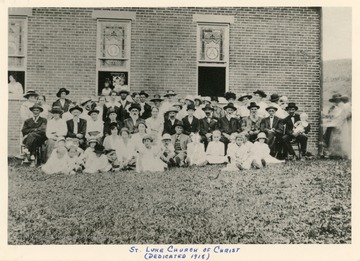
x: 261, y: 152
x: 240, y: 157
x: 97, y: 162
x: 89, y: 152
x: 196, y: 151
x: 80, y: 151
x: 167, y: 150
x: 215, y: 152
x: 112, y: 158
x: 58, y: 161
x: 75, y: 163
x: 149, y: 157
x: 302, y: 126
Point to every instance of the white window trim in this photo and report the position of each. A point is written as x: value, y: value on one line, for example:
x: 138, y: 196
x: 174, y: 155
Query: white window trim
x: 200, y: 63
x: 20, y: 13
x: 128, y: 44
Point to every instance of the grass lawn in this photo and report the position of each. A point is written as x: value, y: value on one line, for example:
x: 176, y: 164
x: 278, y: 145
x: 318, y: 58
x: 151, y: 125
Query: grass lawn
x: 297, y: 202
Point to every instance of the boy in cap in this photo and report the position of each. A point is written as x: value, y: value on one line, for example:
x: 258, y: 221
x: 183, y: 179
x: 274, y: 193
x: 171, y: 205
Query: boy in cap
x: 180, y: 141
x: 62, y: 102
x: 167, y: 150
x: 207, y: 125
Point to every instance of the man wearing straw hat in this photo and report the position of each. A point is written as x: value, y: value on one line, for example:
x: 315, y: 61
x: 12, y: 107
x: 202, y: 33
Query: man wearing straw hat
x: 169, y: 124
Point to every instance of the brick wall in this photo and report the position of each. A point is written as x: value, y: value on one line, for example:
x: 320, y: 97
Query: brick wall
x: 274, y: 49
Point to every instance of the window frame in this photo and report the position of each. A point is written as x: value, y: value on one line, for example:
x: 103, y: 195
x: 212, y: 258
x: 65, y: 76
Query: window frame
x: 226, y: 51
x: 23, y: 18
x: 126, y: 59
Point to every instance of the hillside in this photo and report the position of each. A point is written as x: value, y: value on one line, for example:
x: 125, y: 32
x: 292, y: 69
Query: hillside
x: 337, y: 79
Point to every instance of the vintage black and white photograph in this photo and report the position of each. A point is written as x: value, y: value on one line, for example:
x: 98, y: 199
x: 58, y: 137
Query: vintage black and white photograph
x: 179, y: 125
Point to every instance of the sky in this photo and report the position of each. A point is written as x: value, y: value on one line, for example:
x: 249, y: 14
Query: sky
x: 336, y: 29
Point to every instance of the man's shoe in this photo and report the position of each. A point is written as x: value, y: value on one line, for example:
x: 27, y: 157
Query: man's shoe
x: 263, y: 162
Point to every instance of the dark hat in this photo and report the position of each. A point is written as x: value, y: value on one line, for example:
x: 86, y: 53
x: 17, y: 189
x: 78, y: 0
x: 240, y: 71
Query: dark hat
x: 252, y: 105
x: 144, y: 93
x: 170, y: 93
x: 274, y: 97
x: 179, y: 124
x: 335, y: 98
x: 190, y: 107
x: 113, y: 124
x: 261, y: 93
x: 93, y: 110
x: 62, y: 90
x: 178, y: 104
x: 135, y: 106
x: 99, y: 148
x: 291, y: 105
x: 147, y: 137
x: 108, y: 151
x: 30, y: 93
x: 56, y: 109
x: 111, y: 110
x: 208, y: 107
x: 124, y: 91
x: 345, y: 99
x: 36, y: 106
x: 124, y: 129
x: 85, y: 100
x: 242, y: 96
x: 214, y: 98
x: 77, y: 107
x: 157, y: 97
x: 271, y: 107
x: 230, y: 105
x: 230, y: 95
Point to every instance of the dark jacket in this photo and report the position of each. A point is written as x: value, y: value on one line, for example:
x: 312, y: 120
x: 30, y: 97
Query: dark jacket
x: 66, y: 104
x: 31, y: 126
x: 81, y: 128
x: 107, y: 130
x: 194, y: 126
x: 128, y: 123
x: 228, y: 127
x: 206, y: 127
x: 123, y: 111
x: 277, y: 125
x: 147, y: 112
x: 169, y: 128
x: 289, y: 126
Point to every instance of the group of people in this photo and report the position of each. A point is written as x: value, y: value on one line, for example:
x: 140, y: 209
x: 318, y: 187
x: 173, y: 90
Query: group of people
x: 121, y: 131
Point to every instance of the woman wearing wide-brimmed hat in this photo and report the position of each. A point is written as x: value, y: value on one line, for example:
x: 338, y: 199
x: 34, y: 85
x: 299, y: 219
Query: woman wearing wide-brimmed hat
x: 244, y: 100
x: 251, y: 123
x: 55, y: 128
x: 218, y: 111
x: 62, y: 102
x: 30, y: 96
x: 259, y: 97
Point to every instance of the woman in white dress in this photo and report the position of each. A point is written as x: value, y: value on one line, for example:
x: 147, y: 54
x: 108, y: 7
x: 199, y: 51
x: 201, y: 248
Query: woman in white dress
x: 155, y: 124
x: 126, y: 150
x: 137, y: 138
x: 112, y: 141
x: 41, y: 100
x: 14, y: 86
x: 149, y: 157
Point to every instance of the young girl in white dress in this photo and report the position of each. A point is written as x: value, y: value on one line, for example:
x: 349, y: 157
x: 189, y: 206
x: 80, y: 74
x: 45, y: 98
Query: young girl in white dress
x: 215, y: 152
x: 196, y: 151
x: 240, y: 156
x: 137, y: 138
x: 58, y: 161
x: 261, y: 152
x: 125, y: 152
x: 89, y: 152
x: 75, y: 163
x: 98, y: 162
x: 149, y: 157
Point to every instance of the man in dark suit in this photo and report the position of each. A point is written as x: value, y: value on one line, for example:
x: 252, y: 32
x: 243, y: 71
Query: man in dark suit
x: 228, y: 124
x: 273, y: 128
x: 169, y: 124
x: 191, y: 123
x: 34, y: 131
x: 124, y: 105
x: 289, y: 135
x: 145, y: 107
x: 132, y: 122
x: 62, y: 102
x: 76, y: 126
x: 207, y: 124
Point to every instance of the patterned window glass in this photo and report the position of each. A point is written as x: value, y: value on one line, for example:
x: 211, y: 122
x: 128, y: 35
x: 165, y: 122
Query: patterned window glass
x: 16, y: 43
x: 113, y: 40
x: 212, y: 39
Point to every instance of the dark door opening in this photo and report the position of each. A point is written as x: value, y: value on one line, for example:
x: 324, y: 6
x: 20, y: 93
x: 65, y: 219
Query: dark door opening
x: 211, y: 81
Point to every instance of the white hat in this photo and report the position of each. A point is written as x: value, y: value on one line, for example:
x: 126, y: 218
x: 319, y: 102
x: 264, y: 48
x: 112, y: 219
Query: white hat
x: 189, y: 97
x: 166, y: 136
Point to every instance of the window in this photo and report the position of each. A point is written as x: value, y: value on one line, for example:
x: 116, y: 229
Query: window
x: 113, y: 54
x: 17, y: 34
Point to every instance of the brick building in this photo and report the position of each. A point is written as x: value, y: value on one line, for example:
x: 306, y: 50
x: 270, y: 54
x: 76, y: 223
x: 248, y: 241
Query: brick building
x: 196, y: 50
